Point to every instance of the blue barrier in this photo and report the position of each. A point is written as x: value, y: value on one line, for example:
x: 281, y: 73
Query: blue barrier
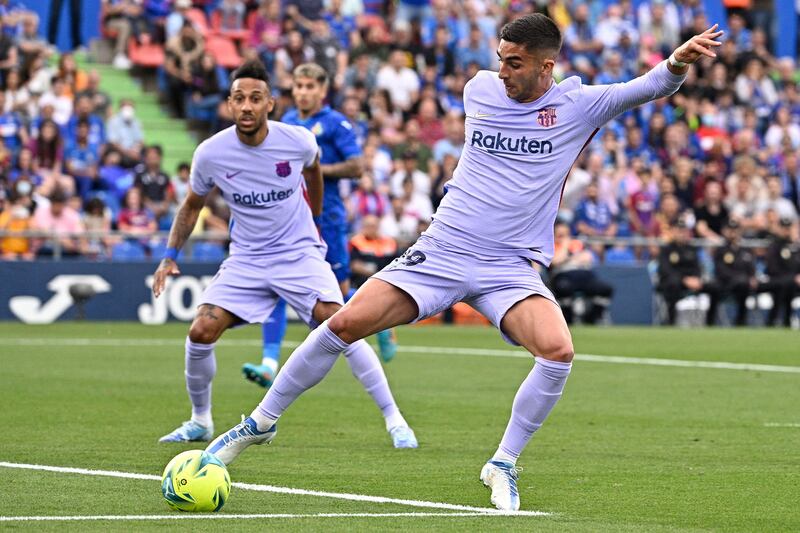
x: 38, y: 292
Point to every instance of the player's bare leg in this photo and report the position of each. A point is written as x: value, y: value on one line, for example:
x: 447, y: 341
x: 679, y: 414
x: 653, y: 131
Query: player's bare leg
x: 375, y: 307
x: 537, y: 324
x: 201, y: 365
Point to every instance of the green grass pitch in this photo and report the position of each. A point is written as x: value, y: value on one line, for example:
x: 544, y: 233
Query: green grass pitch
x: 630, y: 447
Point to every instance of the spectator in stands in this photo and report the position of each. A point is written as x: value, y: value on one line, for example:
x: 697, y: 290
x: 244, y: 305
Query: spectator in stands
x: 101, y: 102
x: 366, y: 200
x: 17, y: 97
x: 431, y: 127
x: 29, y: 42
x: 711, y: 214
x: 155, y: 185
x: 82, y: 158
x: 38, y: 75
x: 208, y: 84
x: 74, y: 78
x: 613, y: 25
x: 351, y: 108
x: 400, y: 224
x: 328, y: 53
x: 684, y: 181
x: 580, y: 41
x: 134, y: 218
x: 642, y: 204
x: 783, y: 207
x: 475, y: 51
x: 14, y: 217
x: 571, y: 274
x: 440, y: 55
x: 413, y: 143
x: 679, y: 273
x: 783, y: 271
x: 416, y: 202
x: 409, y: 169
x: 115, y: 180
x: 176, y: 19
x: 63, y: 222
x: 24, y: 168
x: 97, y: 220
x: 445, y: 174
x: 180, y: 183
x: 12, y: 128
x: 659, y: 20
x: 734, y: 271
x: 782, y: 130
x: 181, y: 52
x: 60, y: 99
x: 294, y: 53
x: 48, y: 158
x: 790, y: 178
x: 84, y: 113
x: 370, y: 251
x: 401, y: 82
x: 125, y: 133
x: 756, y: 88
x: 453, y: 141
x: 593, y: 217
x: 123, y: 19
x: 266, y: 24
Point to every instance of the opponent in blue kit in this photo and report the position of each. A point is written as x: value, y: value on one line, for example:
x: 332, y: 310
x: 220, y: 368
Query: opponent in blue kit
x: 340, y: 158
x: 523, y: 134
x: 269, y: 174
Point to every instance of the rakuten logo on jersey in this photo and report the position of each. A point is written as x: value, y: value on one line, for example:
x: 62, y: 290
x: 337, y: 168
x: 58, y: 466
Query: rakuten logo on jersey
x: 261, y: 198
x: 499, y: 144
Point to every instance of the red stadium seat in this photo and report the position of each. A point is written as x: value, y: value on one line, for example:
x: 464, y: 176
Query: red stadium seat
x: 223, y: 50
x: 145, y: 55
x: 199, y: 21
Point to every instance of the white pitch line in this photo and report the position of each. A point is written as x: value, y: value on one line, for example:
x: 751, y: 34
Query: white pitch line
x: 782, y: 425
x: 428, y: 350
x: 185, y: 516
x: 274, y: 489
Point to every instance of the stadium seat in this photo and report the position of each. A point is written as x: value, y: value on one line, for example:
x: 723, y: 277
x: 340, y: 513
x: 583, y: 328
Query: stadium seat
x: 128, y: 251
x: 208, y: 252
x: 199, y: 21
x: 620, y: 256
x: 223, y: 50
x: 145, y: 55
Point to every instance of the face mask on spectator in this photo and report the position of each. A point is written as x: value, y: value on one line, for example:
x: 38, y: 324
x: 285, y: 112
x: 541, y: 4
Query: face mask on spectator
x: 23, y: 188
x: 127, y: 112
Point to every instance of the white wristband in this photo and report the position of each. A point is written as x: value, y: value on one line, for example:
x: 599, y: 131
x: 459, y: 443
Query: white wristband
x: 675, y: 63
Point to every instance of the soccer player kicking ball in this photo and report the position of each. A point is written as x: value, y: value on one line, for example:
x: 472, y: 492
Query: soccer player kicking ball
x: 262, y: 167
x: 340, y: 159
x: 523, y: 134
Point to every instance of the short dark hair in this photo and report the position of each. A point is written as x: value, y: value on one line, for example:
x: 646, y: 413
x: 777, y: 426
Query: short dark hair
x: 252, y: 68
x: 183, y: 166
x: 535, y: 32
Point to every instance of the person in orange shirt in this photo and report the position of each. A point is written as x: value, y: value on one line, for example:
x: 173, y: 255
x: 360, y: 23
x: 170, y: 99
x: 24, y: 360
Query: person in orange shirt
x: 14, y: 216
x: 370, y: 251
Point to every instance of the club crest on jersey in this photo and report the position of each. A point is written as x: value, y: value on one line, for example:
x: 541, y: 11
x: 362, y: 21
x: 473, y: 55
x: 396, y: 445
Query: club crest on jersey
x: 283, y: 169
x: 317, y: 129
x: 547, y: 117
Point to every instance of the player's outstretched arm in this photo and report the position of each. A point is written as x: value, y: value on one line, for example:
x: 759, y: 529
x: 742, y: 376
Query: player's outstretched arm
x: 601, y: 103
x: 695, y: 48
x: 182, y: 227
x: 315, y: 186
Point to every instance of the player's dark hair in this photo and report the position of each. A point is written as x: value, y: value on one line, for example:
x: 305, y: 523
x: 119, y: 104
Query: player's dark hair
x: 535, y: 32
x: 252, y: 68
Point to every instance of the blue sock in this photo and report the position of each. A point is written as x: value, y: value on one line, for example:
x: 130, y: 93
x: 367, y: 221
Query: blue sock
x: 274, y: 330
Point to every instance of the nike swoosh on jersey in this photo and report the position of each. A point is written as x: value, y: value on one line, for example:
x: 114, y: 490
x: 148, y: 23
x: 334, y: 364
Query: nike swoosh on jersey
x: 231, y: 175
x: 480, y: 115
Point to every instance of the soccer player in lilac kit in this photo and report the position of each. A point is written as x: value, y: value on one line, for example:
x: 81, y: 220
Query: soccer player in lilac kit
x: 524, y: 132
x: 269, y: 173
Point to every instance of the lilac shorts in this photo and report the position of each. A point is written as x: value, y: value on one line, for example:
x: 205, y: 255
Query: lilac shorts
x: 437, y: 277
x: 249, y: 286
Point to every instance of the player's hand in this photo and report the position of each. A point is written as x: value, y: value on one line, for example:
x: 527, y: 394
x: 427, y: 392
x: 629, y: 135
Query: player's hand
x: 699, y: 45
x: 166, y: 268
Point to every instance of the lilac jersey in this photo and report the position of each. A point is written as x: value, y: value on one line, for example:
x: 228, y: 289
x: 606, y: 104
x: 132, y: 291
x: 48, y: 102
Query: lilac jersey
x: 505, y: 192
x: 264, y: 187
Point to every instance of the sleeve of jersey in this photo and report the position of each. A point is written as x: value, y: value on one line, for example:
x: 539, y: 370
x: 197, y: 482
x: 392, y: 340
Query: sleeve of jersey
x: 312, y: 149
x: 200, y: 179
x: 346, y: 140
x: 601, y: 103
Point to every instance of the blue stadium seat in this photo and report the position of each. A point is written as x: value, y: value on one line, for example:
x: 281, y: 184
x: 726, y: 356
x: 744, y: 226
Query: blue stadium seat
x: 128, y: 251
x: 620, y: 256
x: 208, y: 252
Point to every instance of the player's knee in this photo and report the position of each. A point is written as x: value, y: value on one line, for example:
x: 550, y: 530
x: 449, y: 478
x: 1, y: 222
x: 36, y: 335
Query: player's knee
x: 203, y: 333
x: 345, y: 326
x: 561, y: 351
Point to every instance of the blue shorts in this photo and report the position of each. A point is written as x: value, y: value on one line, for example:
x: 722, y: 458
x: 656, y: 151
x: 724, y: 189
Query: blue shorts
x: 249, y: 286
x: 437, y: 277
x: 335, y: 236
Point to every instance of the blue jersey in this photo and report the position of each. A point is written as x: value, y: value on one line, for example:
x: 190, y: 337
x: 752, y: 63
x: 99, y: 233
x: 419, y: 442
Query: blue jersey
x: 337, y: 143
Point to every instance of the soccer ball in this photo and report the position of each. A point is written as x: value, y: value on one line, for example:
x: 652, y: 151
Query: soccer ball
x: 196, y: 481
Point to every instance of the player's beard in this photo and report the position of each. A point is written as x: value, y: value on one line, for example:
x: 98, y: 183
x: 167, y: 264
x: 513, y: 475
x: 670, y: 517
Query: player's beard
x: 252, y: 130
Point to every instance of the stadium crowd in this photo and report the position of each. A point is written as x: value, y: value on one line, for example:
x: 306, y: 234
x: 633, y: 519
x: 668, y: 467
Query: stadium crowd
x: 721, y: 153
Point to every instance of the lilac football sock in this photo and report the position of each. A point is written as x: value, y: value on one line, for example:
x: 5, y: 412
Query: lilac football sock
x: 306, y: 367
x: 368, y: 370
x: 201, y: 365
x: 535, y: 399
